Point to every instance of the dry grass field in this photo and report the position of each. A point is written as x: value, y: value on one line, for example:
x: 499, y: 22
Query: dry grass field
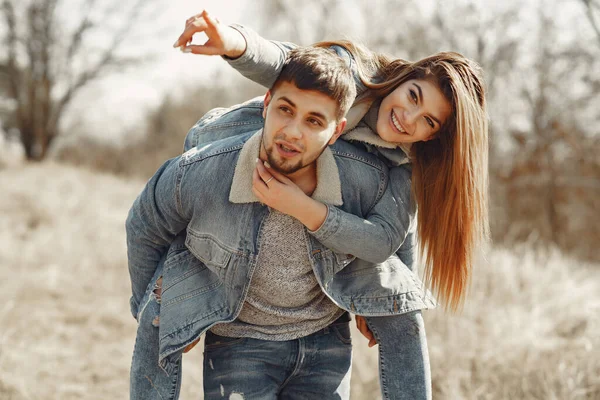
x: 530, y: 328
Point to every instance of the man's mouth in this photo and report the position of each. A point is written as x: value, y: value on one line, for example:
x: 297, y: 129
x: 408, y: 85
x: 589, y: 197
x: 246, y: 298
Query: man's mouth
x: 287, y: 150
x: 396, y: 123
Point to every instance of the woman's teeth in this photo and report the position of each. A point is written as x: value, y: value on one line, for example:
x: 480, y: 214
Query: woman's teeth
x: 396, y: 123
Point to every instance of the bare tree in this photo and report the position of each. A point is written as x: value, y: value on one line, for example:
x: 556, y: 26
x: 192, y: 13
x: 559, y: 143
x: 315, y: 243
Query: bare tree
x: 593, y: 13
x: 552, y: 177
x: 44, y: 67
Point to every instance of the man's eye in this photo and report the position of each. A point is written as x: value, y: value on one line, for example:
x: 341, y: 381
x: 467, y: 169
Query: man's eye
x: 315, y: 122
x: 430, y: 122
x: 285, y: 109
x: 413, y: 96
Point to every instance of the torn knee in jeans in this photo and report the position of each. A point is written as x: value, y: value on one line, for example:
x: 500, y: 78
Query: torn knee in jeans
x: 158, y: 290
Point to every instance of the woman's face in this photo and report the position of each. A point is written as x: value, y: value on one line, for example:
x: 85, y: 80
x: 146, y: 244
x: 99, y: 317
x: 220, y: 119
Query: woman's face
x: 413, y: 112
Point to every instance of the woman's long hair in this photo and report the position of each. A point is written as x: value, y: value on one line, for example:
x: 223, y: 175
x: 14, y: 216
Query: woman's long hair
x: 450, y: 172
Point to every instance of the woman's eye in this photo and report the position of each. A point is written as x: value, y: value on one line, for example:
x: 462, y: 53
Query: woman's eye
x: 413, y: 96
x: 430, y: 122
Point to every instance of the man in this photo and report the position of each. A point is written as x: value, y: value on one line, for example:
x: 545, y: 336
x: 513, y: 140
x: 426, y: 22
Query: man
x: 254, y: 279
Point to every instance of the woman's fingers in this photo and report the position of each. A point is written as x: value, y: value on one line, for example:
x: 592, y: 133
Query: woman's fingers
x: 191, y: 345
x: 279, y: 176
x: 192, y: 19
x: 258, y: 183
x: 196, y: 25
x: 361, y: 325
x: 202, y: 22
x: 203, y: 49
x: 222, y: 40
x: 264, y: 174
x: 211, y: 21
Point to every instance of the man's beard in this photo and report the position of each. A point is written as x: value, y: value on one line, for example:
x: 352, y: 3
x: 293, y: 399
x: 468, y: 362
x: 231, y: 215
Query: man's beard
x: 285, y: 167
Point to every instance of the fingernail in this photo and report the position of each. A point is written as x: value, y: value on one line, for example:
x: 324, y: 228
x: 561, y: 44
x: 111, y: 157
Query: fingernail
x: 176, y: 44
x: 267, y: 165
x: 257, y: 159
x: 186, y: 50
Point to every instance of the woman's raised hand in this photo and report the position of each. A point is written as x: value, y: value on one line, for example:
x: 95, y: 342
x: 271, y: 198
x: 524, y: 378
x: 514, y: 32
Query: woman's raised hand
x: 222, y: 40
x: 277, y: 191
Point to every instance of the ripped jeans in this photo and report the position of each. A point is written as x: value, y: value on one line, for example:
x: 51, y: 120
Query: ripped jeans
x: 147, y: 380
x: 403, y: 357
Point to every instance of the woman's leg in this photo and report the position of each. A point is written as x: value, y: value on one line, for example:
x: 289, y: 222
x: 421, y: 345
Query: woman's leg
x: 147, y: 380
x: 403, y: 356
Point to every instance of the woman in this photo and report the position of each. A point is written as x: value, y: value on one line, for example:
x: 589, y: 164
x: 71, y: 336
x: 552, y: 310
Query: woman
x: 430, y: 113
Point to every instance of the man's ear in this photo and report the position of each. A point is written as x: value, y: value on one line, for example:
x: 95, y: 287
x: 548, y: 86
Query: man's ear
x: 339, y: 129
x: 266, y: 102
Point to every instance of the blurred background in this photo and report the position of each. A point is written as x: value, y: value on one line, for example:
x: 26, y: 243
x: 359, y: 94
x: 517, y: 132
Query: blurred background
x: 93, y: 98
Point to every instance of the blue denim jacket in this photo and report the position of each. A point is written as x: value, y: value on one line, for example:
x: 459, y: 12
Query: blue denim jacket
x: 372, y: 241
x: 206, y: 247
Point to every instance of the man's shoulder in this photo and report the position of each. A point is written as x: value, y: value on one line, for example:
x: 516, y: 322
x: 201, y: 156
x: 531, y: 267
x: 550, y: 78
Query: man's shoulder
x: 246, y: 113
x: 221, y: 123
x: 227, y: 146
x: 342, y: 149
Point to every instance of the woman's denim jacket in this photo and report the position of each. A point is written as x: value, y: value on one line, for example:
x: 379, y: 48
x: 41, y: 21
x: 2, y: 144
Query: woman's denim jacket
x: 207, y: 258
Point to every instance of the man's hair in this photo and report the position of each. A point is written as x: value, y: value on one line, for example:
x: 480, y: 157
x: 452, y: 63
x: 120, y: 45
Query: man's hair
x: 321, y: 70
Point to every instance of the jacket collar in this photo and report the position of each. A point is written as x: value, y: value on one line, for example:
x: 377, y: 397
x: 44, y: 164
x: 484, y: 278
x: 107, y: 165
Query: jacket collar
x: 329, y: 188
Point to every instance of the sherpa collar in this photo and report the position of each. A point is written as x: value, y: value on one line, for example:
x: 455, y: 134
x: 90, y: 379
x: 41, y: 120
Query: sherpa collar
x: 328, y: 190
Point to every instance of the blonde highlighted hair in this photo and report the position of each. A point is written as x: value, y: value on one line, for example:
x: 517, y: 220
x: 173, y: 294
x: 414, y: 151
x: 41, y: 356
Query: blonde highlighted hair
x: 450, y: 172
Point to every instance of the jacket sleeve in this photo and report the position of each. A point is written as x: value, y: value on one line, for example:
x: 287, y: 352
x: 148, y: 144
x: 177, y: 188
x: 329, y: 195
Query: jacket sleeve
x: 221, y: 123
x: 154, y: 220
x: 381, y: 232
x: 263, y: 59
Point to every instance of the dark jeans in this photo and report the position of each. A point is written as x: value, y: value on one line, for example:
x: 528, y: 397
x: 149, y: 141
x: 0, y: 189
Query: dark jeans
x: 316, y: 366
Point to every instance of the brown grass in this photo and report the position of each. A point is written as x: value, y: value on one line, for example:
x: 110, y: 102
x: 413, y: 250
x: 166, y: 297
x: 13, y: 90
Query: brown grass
x: 530, y: 329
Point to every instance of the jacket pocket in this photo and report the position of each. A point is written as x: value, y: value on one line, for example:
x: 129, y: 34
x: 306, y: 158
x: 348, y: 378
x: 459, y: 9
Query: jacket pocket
x: 208, y: 250
x: 343, y: 259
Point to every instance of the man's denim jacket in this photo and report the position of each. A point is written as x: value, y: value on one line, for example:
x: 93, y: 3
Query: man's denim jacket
x: 205, y: 247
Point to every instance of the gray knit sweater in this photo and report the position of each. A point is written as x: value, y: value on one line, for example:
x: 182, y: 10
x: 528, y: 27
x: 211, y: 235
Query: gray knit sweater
x: 284, y: 301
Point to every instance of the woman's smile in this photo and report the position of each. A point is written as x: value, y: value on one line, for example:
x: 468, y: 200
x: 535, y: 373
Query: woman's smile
x: 396, y: 124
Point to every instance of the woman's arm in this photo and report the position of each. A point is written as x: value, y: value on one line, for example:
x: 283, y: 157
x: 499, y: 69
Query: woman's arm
x: 263, y: 59
x: 373, y: 238
x: 377, y: 235
x: 258, y: 59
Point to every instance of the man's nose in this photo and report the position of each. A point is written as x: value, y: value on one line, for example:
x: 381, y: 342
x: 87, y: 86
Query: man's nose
x: 294, y: 129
